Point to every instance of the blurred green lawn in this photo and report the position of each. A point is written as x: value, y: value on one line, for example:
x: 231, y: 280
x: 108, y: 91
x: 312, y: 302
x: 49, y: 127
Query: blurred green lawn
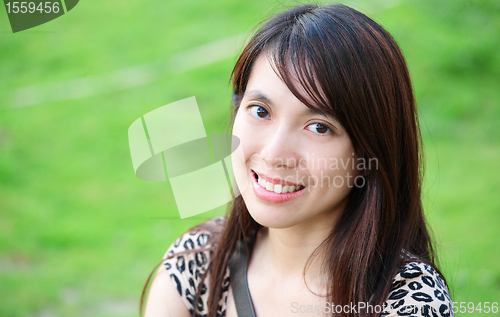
x: 79, y: 233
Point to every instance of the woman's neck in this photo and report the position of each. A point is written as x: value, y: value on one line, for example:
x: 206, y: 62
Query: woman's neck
x: 284, y: 252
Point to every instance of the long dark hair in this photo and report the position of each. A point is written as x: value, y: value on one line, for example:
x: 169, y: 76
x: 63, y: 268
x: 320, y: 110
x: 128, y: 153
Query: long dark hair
x: 353, y: 70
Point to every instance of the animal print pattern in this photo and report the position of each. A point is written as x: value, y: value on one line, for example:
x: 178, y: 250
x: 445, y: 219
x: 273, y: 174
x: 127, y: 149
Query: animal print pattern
x: 417, y: 289
x: 187, y: 269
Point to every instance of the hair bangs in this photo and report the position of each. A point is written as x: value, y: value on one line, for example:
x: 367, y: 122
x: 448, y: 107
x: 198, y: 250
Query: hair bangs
x: 298, y: 62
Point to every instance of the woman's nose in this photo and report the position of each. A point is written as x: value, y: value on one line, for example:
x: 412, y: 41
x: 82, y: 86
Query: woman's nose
x: 279, y: 148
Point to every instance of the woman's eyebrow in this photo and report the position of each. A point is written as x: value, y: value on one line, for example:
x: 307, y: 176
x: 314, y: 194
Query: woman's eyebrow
x: 317, y: 112
x: 258, y: 95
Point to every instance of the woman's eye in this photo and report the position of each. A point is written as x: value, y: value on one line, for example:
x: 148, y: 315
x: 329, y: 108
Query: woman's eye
x: 259, y: 111
x: 319, y: 128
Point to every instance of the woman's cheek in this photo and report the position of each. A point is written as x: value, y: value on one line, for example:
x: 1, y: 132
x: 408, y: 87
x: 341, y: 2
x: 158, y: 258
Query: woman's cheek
x: 247, y: 135
x: 241, y: 156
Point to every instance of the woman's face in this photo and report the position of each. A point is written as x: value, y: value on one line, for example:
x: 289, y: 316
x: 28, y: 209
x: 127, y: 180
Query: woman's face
x: 287, y: 146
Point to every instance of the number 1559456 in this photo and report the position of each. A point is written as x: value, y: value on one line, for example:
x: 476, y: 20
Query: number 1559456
x: 32, y: 7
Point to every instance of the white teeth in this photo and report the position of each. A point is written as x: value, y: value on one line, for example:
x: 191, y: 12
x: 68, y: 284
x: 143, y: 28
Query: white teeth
x: 269, y: 186
x: 277, y: 189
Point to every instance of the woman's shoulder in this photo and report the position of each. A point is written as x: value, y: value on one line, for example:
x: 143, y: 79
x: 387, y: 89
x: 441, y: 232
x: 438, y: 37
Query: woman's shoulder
x: 418, y: 290
x: 187, y: 259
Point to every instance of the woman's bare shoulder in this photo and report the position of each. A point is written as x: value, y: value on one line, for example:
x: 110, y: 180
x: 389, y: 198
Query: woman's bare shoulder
x: 163, y: 298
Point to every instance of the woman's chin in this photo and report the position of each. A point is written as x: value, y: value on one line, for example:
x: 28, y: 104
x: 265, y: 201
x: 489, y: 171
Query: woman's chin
x: 272, y: 217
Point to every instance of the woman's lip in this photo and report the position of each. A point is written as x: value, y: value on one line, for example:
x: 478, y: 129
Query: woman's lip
x: 273, y: 197
x: 275, y: 180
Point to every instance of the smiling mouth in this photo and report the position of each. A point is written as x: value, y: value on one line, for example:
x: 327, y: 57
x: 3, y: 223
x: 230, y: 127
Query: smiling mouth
x: 276, y: 188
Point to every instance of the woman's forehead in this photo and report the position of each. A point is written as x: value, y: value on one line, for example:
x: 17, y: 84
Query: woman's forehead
x: 265, y: 78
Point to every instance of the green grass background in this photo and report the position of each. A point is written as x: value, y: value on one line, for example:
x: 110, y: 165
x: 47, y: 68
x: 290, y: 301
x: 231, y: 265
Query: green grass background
x: 79, y: 233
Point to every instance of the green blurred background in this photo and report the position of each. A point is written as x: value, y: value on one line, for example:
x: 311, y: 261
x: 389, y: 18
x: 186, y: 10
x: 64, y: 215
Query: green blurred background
x: 79, y: 233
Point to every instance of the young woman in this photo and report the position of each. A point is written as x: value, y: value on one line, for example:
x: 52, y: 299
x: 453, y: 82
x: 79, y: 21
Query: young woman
x: 331, y: 222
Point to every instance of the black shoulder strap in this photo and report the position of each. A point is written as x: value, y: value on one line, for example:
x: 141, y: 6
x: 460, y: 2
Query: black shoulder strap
x: 238, y: 279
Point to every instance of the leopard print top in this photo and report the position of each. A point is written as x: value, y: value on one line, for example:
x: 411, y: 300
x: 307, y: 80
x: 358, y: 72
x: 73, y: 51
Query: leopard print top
x: 417, y: 289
